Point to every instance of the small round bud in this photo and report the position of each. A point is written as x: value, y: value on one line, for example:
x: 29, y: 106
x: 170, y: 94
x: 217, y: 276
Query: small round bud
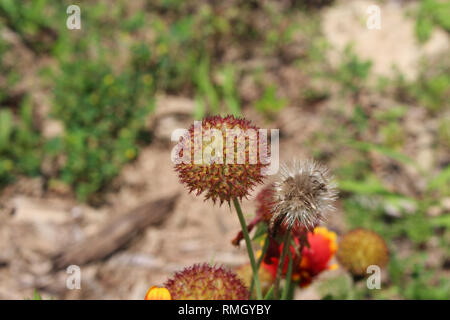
x: 361, y: 248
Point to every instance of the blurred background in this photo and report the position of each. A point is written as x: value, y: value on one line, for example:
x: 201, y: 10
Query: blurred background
x: 86, y: 118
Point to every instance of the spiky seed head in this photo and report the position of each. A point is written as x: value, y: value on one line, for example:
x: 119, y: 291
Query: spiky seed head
x: 361, y: 248
x: 303, y: 195
x: 217, y: 176
x: 205, y: 282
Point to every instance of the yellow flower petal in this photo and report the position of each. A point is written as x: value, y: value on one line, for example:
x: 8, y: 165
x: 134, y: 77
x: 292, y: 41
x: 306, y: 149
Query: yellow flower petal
x: 334, y: 266
x: 155, y: 293
x: 330, y: 235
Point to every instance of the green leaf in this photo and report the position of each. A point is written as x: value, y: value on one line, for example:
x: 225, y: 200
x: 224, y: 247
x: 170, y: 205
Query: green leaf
x: 288, y: 281
x: 261, y: 231
x: 441, y: 180
x: 6, y: 127
x: 370, y: 186
x: 441, y: 221
x: 367, y: 146
x: 269, y: 294
x: 36, y: 295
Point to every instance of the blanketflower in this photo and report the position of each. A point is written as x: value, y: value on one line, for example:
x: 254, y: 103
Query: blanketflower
x: 205, y: 282
x: 315, y: 256
x: 155, y: 293
x: 221, y: 157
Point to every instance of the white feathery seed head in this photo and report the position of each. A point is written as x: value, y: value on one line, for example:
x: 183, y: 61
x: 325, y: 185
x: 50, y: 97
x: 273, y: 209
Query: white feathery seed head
x: 304, y: 193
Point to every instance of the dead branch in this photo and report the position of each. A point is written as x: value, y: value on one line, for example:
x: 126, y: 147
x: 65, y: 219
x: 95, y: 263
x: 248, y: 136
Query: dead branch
x: 116, y: 234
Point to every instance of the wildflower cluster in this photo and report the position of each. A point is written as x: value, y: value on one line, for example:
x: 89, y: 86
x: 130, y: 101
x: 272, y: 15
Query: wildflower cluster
x: 295, y: 250
x: 311, y: 261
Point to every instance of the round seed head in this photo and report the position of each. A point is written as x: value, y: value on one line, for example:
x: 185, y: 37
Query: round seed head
x: 205, y: 282
x: 303, y: 195
x: 224, y: 160
x: 361, y: 248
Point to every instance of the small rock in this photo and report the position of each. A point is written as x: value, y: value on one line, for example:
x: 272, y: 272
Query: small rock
x: 434, y: 211
x: 52, y: 128
x: 445, y: 203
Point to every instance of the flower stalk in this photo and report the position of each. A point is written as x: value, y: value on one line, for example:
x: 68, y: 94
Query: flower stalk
x: 260, y: 260
x: 248, y: 243
x: 286, y: 246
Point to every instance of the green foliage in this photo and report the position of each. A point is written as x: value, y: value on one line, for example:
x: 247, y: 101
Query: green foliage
x: 211, y: 94
x: 337, y: 288
x: 35, y: 21
x: 440, y: 183
x: 432, y: 13
x: 269, y: 103
x: 444, y: 132
x: 352, y: 73
x: 37, y: 296
x: 431, y: 89
x: 434, y: 91
x: 103, y: 114
x: 415, y: 281
x: 19, y: 144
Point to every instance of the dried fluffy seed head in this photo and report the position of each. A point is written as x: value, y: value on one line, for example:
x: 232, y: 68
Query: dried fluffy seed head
x: 229, y: 179
x: 205, y: 282
x: 361, y: 248
x: 303, y: 195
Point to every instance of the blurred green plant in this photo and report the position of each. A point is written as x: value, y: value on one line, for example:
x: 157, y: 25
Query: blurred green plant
x: 269, y: 104
x: 36, y: 22
x: 432, y: 13
x: 104, y: 116
x: 434, y: 91
x: 353, y: 72
x: 413, y: 280
x: 19, y: 144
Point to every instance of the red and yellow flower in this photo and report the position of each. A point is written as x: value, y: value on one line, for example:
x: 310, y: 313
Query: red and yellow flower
x: 315, y: 258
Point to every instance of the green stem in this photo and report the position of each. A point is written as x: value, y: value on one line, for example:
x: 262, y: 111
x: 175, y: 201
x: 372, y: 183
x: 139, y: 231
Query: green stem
x: 287, y: 286
x: 286, y: 245
x: 269, y: 294
x: 249, y: 248
x: 260, y: 259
